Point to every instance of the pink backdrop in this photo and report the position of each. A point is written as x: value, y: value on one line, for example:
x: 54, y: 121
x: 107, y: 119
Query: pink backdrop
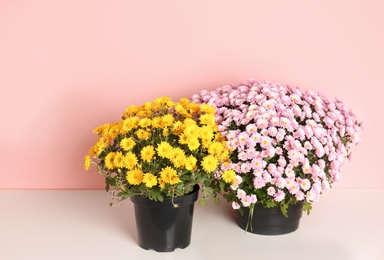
x: 67, y: 66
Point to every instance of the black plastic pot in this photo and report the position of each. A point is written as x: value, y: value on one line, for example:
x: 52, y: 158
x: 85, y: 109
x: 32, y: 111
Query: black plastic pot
x: 270, y: 221
x: 161, y: 226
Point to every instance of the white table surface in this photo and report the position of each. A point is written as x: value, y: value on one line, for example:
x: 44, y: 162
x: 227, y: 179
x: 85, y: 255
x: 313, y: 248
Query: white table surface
x: 41, y: 224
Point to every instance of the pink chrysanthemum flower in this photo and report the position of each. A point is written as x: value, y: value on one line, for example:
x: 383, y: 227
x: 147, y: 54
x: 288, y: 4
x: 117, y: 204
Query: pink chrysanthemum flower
x: 281, y: 182
x: 289, y: 172
x: 262, y: 123
x: 241, y: 194
x: 282, y: 161
x: 235, y: 205
x: 236, y: 182
x: 283, y: 133
x: 258, y: 182
x: 272, y: 131
x: 299, y: 196
x: 285, y: 122
x: 251, y: 129
x: 242, y: 138
x: 293, y: 188
x: 246, y: 201
x: 243, y: 156
x: 267, y: 177
x: 271, y: 191
x: 265, y: 141
x: 275, y: 121
x: 253, y: 198
x: 256, y: 137
x: 305, y: 184
x: 310, y: 195
x: 271, y: 151
x: 245, y: 167
x: 279, y: 196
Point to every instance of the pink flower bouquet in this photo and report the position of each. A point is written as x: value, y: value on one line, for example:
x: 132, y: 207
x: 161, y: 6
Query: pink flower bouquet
x: 287, y: 145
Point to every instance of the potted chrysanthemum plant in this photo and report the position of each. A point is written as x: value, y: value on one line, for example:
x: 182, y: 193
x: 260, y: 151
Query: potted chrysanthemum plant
x: 159, y: 155
x: 287, y: 148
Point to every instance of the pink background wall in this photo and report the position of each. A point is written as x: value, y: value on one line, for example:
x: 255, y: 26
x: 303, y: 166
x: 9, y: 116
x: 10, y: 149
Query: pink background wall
x: 67, y: 66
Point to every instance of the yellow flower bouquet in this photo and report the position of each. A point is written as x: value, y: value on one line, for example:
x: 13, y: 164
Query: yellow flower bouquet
x: 159, y: 150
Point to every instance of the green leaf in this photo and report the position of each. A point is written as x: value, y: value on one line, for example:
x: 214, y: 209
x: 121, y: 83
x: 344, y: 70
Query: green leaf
x: 241, y: 211
x: 284, y: 209
x: 222, y: 186
x: 159, y: 197
x: 207, y: 191
x: 217, y: 201
x: 202, y: 202
x: 107, y: 187
x: 270, y: 204
x: 307, y: 207
x: 109, y: 182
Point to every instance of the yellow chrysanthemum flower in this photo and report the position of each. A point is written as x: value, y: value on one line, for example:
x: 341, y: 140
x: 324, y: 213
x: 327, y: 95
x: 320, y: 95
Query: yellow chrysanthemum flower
x: 148, y: 106
x: 143, y: 134
x: 147, y: 153
x: 181, y: 110
x: 209, y: 163
x: 164, y: 150
x: 174, y: 138
x: 150, y: 180
x: 193, y: 143
x: 99, y: 146
x: 192, y: 131
x: 164, y: 101
x: 99, y: 129
x: 228, y: 176
x: 184, y: 101
x: 130, y: 161
x: 178, y: 158
x: 129, y: 124
x: 188, y: 122
x: 165, y: 131
x: 143, y: 113
x: 215, y: 148
x: 193, y: 108
x: 207, y: 109
x: 169, y: 175
x: 161, y: 183
x: 145, y: 122
x: 87, y: 162
x: 207, y: 119
x: 134, y: 177
x: 109, y: 160
x: 157, y: 122
x: 206, y: 132
x: 118, y: 160
x: 206, y: 143
x: 190, y: 163
x: 183, y: 139
x: 127, y: 143
x: 224, y: 155
x: 167, y: 120
x: 179, y: 162
x: 178, y: 127
x: 130, y: 111
x: 176, y: 152
x: 113, y: 131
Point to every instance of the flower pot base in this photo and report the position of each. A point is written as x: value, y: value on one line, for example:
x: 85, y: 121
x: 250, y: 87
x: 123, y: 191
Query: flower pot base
x: 161, y: 226
x: 270, y: 221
